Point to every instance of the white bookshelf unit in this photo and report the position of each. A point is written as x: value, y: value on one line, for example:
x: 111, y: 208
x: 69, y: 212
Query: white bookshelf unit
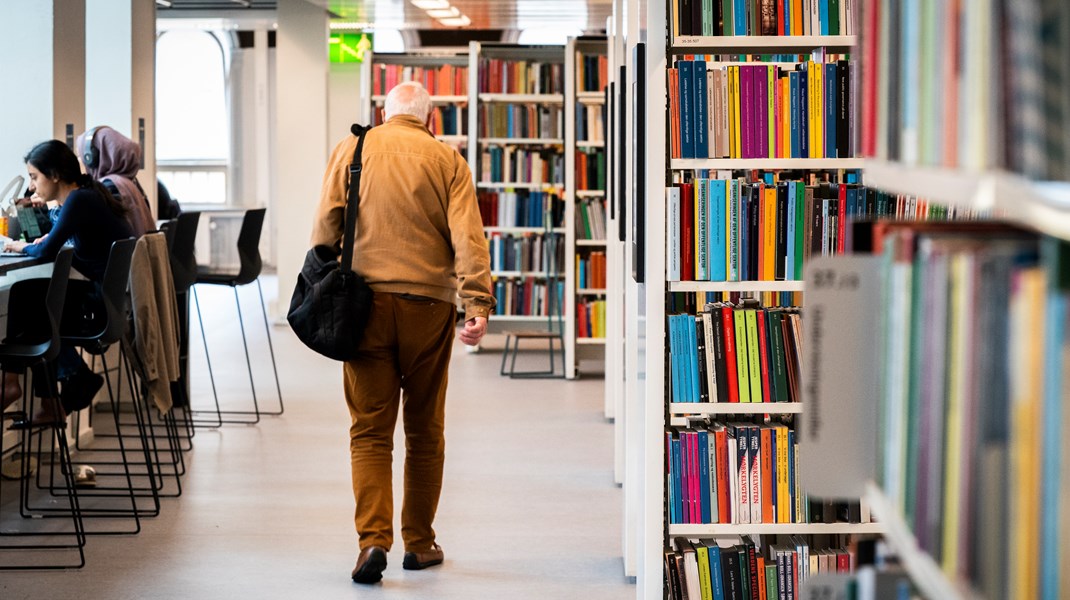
x: 646, y: 310
x: 579, y: 99
x: 480, y: 139
x: 457, y: 100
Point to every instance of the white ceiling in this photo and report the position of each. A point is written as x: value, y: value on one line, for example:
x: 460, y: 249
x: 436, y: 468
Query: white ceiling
x: 589, y: 15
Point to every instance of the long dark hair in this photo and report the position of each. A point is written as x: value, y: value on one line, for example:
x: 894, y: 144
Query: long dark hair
x: 54, y: 159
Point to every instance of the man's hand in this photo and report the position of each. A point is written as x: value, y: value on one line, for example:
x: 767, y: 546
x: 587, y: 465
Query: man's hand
x: 474, y: 330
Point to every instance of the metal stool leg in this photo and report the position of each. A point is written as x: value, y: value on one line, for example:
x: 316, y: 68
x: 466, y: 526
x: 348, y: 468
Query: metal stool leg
x: 271, y: 349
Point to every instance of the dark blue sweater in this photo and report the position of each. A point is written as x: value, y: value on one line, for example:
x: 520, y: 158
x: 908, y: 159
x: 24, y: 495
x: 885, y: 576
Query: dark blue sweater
x: 86, y: 219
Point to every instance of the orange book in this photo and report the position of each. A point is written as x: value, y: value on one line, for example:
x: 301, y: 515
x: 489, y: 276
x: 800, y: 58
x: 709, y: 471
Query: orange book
x: 760, y: 562
x: 767, y: 477
x: 723, y: 492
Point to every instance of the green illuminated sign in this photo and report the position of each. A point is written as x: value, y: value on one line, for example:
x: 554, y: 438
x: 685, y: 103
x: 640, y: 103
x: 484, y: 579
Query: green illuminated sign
x: 349, y: 47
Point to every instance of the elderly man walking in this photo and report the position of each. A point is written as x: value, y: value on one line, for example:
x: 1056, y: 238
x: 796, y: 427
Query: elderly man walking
x: 419, y: 245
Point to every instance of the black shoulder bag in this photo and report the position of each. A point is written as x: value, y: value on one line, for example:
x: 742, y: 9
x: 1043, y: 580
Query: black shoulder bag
x: 330, y: 305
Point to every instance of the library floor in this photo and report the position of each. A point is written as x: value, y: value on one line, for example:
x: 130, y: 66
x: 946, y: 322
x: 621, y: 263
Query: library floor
x: 529, y: 508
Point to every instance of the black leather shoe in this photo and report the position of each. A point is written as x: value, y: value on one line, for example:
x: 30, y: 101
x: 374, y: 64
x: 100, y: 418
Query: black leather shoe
x: 415, y: 561
x: 78, y: 390
x: 370, y: 565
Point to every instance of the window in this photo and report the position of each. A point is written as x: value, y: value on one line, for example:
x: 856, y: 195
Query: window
x: 542, y: 22
x: 192, y: 128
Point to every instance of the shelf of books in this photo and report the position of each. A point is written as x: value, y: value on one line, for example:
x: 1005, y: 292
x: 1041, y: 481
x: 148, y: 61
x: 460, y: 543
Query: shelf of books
x: 586, y: 78
x: 752, y: 173
x: 443, y: 74
x: 956, y: 391
x: 517, y: 161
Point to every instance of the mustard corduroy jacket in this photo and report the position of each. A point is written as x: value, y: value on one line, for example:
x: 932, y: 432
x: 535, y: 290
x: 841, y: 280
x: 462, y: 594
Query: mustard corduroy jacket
x: 418, y: 224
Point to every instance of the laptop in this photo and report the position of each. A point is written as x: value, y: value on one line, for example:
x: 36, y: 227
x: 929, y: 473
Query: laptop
x: 34, y: 222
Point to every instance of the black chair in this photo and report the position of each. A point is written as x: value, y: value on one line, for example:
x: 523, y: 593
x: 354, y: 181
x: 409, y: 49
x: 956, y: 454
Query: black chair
x: 249, y: 272
x: 115, y: 302
x: 36, y: 350
x: 181, y: 235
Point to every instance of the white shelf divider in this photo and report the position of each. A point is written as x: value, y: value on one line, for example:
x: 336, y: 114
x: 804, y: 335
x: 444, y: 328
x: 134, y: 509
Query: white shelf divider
x: 726, y: 529
x: 1043, y: 206
x: 586, y: 341
x: 522, y: 229
x: 507, y: 141
x: 736, y: 286
x: 923, y: 570
x: 590, y: 193
x: 735, y: 408
x: 761, y: 44
x: 591, y: 97
x: 381, y: 98
x: 590, y: 291
x: 520, y: 185
x: 592, y: 243
x: 523, y: 98
x: 678, y: 164
x: 591, y: 143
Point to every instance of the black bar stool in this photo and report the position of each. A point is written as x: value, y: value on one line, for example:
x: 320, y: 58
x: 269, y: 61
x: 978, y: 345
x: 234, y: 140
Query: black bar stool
x: 36, y: 350
x: 249, y: 272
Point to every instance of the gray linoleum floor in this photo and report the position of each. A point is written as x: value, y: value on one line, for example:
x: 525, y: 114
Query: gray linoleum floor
x: 529, y: 508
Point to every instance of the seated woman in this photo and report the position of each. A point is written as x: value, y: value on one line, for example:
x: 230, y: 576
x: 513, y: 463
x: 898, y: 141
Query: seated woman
x: 91, y: 219
x: 114, y: 160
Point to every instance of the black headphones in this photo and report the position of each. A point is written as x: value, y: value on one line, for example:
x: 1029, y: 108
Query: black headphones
x: 90, y: 155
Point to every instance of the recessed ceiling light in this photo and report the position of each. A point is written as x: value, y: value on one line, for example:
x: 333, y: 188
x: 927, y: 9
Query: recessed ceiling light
x: 444, y: 13
x: 461, y: 21
x: 431, y: 4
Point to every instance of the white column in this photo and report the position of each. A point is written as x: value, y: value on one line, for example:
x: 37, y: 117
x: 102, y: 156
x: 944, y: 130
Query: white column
x: 120, y: 76
x: 42, y: 67
x: 301, y: 126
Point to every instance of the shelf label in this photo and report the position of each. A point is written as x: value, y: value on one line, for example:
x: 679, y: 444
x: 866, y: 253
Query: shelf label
x: 838, y: 428
x: 689, y: 41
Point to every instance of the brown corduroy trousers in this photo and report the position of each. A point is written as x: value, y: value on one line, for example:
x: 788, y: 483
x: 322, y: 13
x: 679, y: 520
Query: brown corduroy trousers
x: 406, y: 350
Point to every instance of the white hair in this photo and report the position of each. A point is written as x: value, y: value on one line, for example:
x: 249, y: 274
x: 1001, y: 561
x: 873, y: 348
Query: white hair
x: 409, y: 98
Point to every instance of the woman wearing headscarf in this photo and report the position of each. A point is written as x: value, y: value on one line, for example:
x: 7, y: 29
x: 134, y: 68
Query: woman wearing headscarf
x: 114, y: 160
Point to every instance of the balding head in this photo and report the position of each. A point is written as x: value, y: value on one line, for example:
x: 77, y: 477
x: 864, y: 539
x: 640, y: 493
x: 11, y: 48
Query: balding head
x: 409, y: 98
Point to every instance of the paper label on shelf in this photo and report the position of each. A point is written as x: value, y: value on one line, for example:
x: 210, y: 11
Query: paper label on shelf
x: 840, y: 375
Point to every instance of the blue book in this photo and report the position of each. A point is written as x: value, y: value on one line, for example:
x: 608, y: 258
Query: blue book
x: 804, y: 113
x: 823, y: 16
x: 704, y: 474
x: 740, y: 13
x: 1052, y: 555
x: 716, y: 577
x: 687, y: 110
x: 702, y: 226
x: 692, y: 353
x: 678, y: 502
x: 793, y: 113
x: 789, y: 267
x: 717, y: 224
x: 674, y: 358
x: 785, y: 23
x: 701, y: 105
x: 744, y: 238
x: 831, y: 111
x: 670, y: 490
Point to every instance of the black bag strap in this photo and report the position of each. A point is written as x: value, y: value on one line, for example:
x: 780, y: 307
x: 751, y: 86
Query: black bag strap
x: 353, y: 198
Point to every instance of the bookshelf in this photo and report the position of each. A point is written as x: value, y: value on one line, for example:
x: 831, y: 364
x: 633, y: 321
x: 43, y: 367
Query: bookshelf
x: 647, y: 302
x: 1000, y: 439
x: 586, y: 75
x: 493, y: 108
x: 441, y: 72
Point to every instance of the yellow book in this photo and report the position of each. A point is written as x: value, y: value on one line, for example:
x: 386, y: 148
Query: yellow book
x: 959, y: 297
x: 819, y: 102
x: 733, y: 101
x: 742, y: 357
x: 770, y: 95
x: 753, y: 356
x: 1027, y: 327
x: 783, y: 510
x: 769, y: 225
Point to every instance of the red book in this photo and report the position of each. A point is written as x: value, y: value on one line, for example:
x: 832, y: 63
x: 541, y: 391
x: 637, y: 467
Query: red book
x: 841, y: 220
x: 729, y: 330
x: 763, y: 355
x: 687, y: 232
x: 720, y: 437
x: 767, y: 476
x: 843, y: 562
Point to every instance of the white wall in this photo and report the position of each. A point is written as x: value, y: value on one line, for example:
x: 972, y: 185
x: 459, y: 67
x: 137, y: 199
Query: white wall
x: 120, y: 75
x: 301, y: 129
x: 343, y: 101
x: 40, y: 62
